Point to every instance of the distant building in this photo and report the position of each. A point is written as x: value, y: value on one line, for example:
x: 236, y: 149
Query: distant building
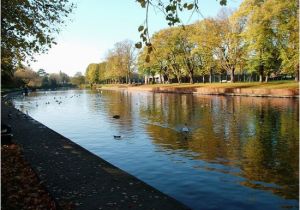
x: 156, y: 78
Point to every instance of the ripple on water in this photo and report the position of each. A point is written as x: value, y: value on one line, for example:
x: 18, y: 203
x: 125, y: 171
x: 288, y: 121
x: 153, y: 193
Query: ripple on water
x: 242, y: 152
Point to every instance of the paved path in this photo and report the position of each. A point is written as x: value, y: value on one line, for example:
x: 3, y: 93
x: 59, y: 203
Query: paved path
x: 72, y: 174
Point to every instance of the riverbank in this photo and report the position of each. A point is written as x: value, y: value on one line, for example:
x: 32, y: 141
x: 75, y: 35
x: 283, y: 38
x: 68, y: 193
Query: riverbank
x: 271, y: 89
x: 73, y: 175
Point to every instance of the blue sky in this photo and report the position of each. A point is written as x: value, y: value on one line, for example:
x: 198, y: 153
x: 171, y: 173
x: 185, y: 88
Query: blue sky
x: 98, y: 24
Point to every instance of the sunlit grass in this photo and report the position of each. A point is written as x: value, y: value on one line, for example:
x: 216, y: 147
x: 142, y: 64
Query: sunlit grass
x: 269, y: 85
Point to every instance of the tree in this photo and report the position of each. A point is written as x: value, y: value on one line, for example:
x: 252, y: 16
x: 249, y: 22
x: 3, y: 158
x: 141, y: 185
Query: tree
x: 125, y: 52
x: 230, y: 49
x: 63, y: 78
x: 78, y: 79
x: 42, y: 73
x: 54, y: 80
x: 120, y: 62
x: 170, y: 9
x: 286, y: 14
x: 102, y: 71
x: 44, y: 77
x: 28, y: 77
x: 204, y: 35
x: 28, y: 27
x: 260, y: 37
x: 92, y: 73
x: 146, y: 66
x: 184, y: 51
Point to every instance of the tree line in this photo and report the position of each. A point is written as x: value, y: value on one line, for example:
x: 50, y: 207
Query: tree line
x: 118, y: 67
x: 260, y: 38
x: 26, y: 77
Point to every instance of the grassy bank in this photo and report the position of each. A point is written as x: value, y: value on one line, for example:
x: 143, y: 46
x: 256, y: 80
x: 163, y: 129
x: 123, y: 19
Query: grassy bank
x: 269, y: 85
x: 276, y: 88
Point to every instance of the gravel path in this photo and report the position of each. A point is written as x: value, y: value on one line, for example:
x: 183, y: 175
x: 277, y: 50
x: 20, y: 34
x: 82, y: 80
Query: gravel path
x: 74, y: 175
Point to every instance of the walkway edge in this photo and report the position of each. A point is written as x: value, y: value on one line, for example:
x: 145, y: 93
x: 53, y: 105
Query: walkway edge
x: 73, y: 174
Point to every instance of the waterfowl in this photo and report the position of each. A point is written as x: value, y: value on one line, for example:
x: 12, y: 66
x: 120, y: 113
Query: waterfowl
x: 117, y: 137
x: 185, y: 129
x: 116, y: 116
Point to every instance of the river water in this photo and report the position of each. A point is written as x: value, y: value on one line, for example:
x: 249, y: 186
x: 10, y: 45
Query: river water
x: 240, y: 153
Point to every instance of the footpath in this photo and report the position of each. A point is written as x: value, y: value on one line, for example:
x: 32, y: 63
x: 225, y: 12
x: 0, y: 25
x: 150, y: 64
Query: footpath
x: 72, y: 174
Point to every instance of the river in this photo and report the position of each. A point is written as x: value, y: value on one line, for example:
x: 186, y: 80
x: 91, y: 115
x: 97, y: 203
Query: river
x: 240, y: 153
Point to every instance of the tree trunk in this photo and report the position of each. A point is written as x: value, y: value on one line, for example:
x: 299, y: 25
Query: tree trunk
x: 203, y: 78
x: 267, y: 78
x: 260, y: 78
x: 232, y: 75
x: 160, y: 79
x: 261, y: 73
x: 178, y: 79
x: 210, y: 76
x: 129, y: 80
x: 191, y: 73
x: 297, y: 73
x: 191, y: 80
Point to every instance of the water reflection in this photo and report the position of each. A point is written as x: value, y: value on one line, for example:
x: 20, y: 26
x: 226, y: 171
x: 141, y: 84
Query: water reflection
x: 257, y: 135
x: 237, y: 147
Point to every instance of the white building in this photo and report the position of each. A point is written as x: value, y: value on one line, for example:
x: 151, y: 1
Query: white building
x: 157, y: 79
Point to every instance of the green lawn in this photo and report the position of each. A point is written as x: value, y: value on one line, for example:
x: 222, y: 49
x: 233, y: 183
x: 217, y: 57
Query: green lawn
x: 269, y: 85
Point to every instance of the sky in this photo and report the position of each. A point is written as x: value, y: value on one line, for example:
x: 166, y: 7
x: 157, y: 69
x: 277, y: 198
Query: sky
x: 96, y: 25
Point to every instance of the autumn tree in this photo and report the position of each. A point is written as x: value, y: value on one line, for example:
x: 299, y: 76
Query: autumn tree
x: 227, y: 41
x: 285, y: 17
x: 102, y: 71
x: 28, y: 77
x: 260, y: 37
x: 205, y: 36
x: 171, y: 10
x: 147, y: 65
x: 92, y: 73
x: 184, y: 51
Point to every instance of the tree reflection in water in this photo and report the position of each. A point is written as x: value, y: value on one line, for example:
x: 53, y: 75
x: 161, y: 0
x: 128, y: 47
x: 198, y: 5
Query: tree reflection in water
x: 257, y: 135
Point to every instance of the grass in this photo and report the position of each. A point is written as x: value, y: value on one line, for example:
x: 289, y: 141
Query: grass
x: 269, y: 85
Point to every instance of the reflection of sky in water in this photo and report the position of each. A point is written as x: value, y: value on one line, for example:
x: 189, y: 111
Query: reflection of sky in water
x: 242, y: 152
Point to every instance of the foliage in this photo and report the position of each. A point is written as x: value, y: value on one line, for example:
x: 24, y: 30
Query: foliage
x: 118, y: 66
x: 25, y: 76
x: 78, y: 79
x: 28, y: 77
x: 28, y: 27
x: 260, y: 38
x: 170, y: 9
x: 271, y: 35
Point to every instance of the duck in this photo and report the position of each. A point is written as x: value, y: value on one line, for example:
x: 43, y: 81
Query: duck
x: 117, y: 137
x: 116, y: 116
x: 185, y: 129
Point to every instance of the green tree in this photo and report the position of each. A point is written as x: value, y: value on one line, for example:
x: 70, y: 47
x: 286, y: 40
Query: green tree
x: 286, y: 16
x: 92, y: 73
x: 102, y: 71
x: 78, y: 79
x: 260, y: 38
x: 63, y: 78
x: 171, y: 10
x: 205, y: 36
x: 28, y: 27
x: 42, y: 73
